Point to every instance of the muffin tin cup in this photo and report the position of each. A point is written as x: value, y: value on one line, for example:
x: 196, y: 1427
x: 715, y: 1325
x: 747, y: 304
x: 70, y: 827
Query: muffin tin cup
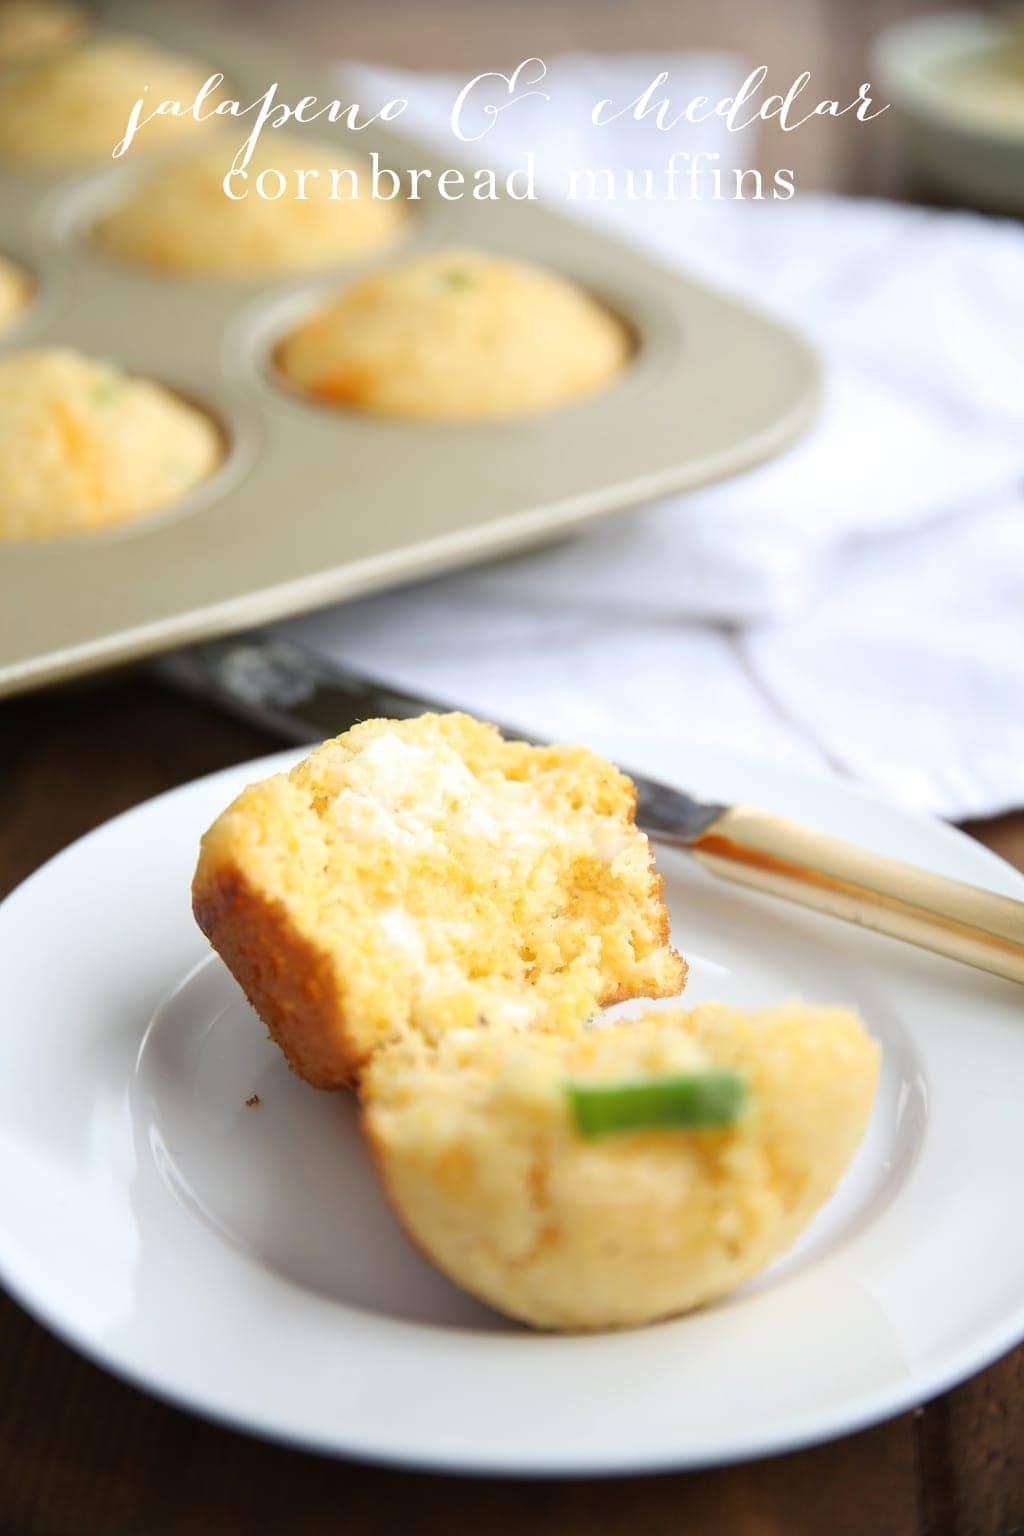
x: 312, y: 503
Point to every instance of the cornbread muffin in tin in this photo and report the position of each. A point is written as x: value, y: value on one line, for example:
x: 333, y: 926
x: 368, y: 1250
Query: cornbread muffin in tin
x: 457, y: 335
x: 29, y: 27
x: 15, y: 292
x: 180, y: 219
x: 85, y: 446
x: 489, y: 1172
x: 71, y: 107
x: 426, y: 875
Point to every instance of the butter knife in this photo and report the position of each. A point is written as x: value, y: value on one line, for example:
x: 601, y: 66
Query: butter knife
x: 300, y: 698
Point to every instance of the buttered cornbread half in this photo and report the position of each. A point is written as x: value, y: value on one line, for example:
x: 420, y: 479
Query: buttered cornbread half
x: 457, y: 335
x: 29, y: 27
x: 181, y: 221
x: 71, y: 105
x: 630, y: 1173
x: 15, y: 291
x: 436, y: 915
x: 85, y: 446
x: 419, y: 876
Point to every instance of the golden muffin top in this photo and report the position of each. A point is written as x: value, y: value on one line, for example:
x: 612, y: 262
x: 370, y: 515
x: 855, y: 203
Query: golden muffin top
x: 181, y: 219
x: 29, y: 27
x: 457, y: 335
x: 15, y: 288
x: 84, y: 445
x: 72, y: 106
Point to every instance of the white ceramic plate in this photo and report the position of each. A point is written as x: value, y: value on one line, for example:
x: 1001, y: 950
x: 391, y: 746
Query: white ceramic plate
x: 240, y: 1261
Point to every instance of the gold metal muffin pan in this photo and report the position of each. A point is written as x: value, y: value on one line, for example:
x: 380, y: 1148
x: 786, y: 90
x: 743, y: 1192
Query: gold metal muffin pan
x: 314, y: 504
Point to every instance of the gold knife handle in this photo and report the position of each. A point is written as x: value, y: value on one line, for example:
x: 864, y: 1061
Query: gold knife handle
x: 785, y: 859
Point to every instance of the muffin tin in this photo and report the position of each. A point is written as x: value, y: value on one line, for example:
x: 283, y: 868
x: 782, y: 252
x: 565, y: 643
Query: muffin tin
x: 314, y: 504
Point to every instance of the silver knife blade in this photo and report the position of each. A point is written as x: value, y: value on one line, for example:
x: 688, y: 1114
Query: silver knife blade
x: 301, y: 698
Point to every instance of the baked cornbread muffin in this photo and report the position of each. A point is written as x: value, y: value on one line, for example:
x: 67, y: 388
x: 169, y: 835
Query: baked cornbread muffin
x: 457, y: 335
x: 29, y: 27
x: 71, y: 106
x: 83, y: 445
x: 420, y: 876
x: 181, y: 220
x: 486, y: 1146
x: 15, y: 290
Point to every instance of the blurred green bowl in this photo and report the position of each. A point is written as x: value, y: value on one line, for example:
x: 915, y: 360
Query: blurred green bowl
x: 956, y: 84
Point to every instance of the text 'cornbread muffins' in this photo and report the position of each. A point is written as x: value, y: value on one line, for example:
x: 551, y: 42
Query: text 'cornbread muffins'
x: 490, y: 1176
x: 181, y: 220
x: 72, y: 106
x: 454, y: 336
x: 420, y: 876
x: 84, y: 445
x: 30, y: 27
x: 15, y: 291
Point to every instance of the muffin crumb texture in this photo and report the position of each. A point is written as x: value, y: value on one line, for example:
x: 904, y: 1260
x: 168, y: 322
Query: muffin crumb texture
x: 488, y: 1174
x: 454, y: 336
x: 85, y: 446
x: 420, y: 876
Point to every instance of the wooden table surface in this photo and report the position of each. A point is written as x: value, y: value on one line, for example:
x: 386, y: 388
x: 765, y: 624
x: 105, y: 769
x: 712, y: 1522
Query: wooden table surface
x: 83, y: 1455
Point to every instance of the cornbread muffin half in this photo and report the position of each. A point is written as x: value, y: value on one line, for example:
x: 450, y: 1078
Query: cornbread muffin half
x: 487, y: 1167
x: 71, y: 106
x: 28, y: 27
x: 15, y: 290
x: 83, y: 445
x: 181, y: 220
x: 457, y: 335
x: 418, y: 876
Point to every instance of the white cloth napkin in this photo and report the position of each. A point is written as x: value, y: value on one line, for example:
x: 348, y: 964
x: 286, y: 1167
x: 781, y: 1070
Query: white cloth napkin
x: 858, y: 604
